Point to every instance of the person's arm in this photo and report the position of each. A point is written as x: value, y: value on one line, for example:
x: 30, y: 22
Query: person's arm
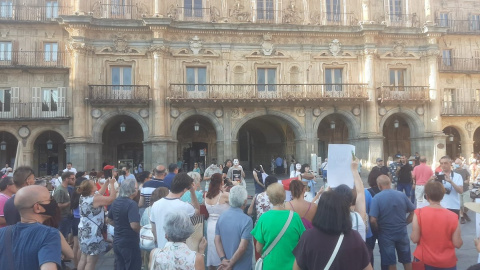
x: 360, y: 205
x: 410, y: 217
x: 415, y: 236
x: 374, y: 224
x: 457, y: 188
x: 242, y: 247
x: 369, y: 267
x: 250, y: 208
x: 193, y: 198
x: 66, y: 249
x: 319, y: 193
x: 154, y: 231
x: 99, y: 200
x: 110, y: 221
x: 150, y: 263
x: 295, y: 266
x: 141, y: 202
x: 49, y: 266
x: 457, y: 237
x: 259, y: 247
x: 255, y: 177
x: 307, y: 175
x: 104, y: 187
x: 3, y: 222
x: 135, y: 226
x: 200, y: 256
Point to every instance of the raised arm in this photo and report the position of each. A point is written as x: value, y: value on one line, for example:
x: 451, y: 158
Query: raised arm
x: 360, y: 205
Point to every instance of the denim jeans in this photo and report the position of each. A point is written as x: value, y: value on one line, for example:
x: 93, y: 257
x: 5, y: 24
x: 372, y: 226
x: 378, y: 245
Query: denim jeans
x: 406, y: 187
x: 65, y: 226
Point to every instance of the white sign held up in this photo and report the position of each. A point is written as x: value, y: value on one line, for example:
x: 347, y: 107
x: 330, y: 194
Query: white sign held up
x: 339, y: 165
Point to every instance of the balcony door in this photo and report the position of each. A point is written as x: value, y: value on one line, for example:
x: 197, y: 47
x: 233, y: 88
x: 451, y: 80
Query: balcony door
x: 5, y: 52
x: 443, y: 20
x: 397, y: 83
x: 6, y: 103
x: 395, y: 11
x: 50, y: 50
x: 48, y: 102
x: 265, y: 11
x: 196, y: 82
x: 192, y: 9
x: 121, y: 82
x: 333, y: 81
x: 475, y: 22
x: 334, y: 10
x: 51, y: 9
x: 266, y: 82
x: 6, y: 9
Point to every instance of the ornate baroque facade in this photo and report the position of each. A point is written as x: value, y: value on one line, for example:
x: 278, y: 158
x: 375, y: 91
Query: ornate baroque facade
x: 150, y: 81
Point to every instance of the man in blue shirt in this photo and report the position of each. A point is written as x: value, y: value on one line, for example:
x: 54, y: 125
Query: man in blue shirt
x: 149, y: 186
x: 172, y: 171
x: 388, y: 217
x: 279, y: 165
x: 233, y: 239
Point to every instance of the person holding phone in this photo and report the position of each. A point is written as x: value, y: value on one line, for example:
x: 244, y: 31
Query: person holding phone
x: 453, y: 184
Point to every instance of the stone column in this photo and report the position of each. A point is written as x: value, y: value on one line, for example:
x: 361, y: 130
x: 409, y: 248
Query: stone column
x: 370, y: 116
x: 79, y: 7
x: 157, y: 7
x: 159, y: 120
x: 301, y: 151
x: 467, y: 148
x: 220, y: 151
x: 366, y: 11
x: 27, y: 158
x: 83, y: 155
x: 435, y: 100
x: 429, y: 13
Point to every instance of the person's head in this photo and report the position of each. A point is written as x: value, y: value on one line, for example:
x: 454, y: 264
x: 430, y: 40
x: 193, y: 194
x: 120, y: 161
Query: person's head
x: 6, y: 165
x: 333, y: 214
x: 143, y: 176
x: 347, y: 193
x: 305, y: 168
x: 69, y: 165
x: 383, y: 182
x: 236, y: 162
x: 7, y: 186
x: 238, y: 197
x: 276, y: 194
x: 69, y: 178
x: 181, y: 183
x: 379, y: 162
x: 128, y: 188
x: 195, y: 165
x: 214, y: 161
x: 297, y: 188
x: 79, y: 174
x: 398, y: 157
x: 160, y: 172
x: 403, y: 159
x: 158, y: 193
x: 23, y: 176
x: 197, y: 178
x: 417, y: 154
x: 434, y: 191
x: 298, y: 167
x: 257, y: 168
x: 423, y: 159
x: 35, y: 203
x: 173, y: 168
x: 372, y: 178
x: 216, y: 183
x: 178, y: 226
x: 87, y: 188
x: 446, y: 164
x: 270, y: 180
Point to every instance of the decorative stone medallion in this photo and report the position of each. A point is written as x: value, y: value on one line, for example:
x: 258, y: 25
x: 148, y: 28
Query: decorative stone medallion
x: 196, y: 45
x: 174, y: 113
x: 317, y: 112
x: 335, y: 47
x: 143, y: 113
x: 382, y: 111
x: 420, y: 110
x: 218, y: 113
x: 235, y: 113
x: 300, y: 112
x: 96, y: 113
x: 356, y: 111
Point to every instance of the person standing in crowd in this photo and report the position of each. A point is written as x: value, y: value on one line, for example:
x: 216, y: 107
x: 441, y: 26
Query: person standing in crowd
x: 212, y: 169
x: 125, y: 218
x: 308, y: 177
x: 285, y: 166
x: 380, y: 167
x: 436, y: 232
x: 7, y: 190
x: 465, y: 196
x: 33, y: 245
x: 260, y: 203
x: 92, y: 218
x: 175, y: 254
x: 324, y: 168
x: 172, y: 171
x: 306, y: 210
x: 292, y: 166
x: 179, y: 163
x: 216, y: 202
x: 171, y: 203
x: 394, y: 168
x: 126, y: 175
x: 236, y: 174
x: 269, y: 226
x: 404, y: 174
x: 453, y: 184
x: 150, y: 186
x: 417, y: 159
x: 387, y: 217
x: 74, y: 205
x: 70, y: 168
x: 331, y: 224
x: 421, y: 174
x: 228, y: 164
x: 22, y: 177
x: 196, y: 168
x: 233, y: 240
x: 258, y: 179
x: 142, y: 178
x: 62, y: 197
x: 198, y: 192
x: 278, y: 165
x: 4, y: 169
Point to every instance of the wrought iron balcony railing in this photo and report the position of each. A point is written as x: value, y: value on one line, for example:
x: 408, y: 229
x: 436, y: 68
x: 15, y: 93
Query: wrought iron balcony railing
x: 9, y: 59
x: 461, y: 108
x: 459, y: 65
x: 266, y: 92
x: 402, y: 20
x: 266, y: 15
x: 346, y: 19
x: 26, y: 12
x: 115, y: 11
x: 194, y: 14
x: 460, y: 26
x: 403, y: 94
x: 119, y: 94
x: 34, y: 110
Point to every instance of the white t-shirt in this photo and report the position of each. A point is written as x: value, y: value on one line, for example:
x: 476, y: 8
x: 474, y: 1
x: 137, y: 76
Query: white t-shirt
x: 160, y: 209
x: 452, y: 200
x: 71, y: 170
x: 358, y: 224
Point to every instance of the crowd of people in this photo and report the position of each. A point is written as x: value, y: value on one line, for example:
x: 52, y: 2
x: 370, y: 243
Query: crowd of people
x: 164, y: 220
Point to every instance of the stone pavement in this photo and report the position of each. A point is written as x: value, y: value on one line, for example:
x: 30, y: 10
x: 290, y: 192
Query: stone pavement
x: 467, y: 254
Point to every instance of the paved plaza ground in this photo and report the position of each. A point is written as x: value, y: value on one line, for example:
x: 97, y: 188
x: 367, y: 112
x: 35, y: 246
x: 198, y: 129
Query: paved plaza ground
x: 467, y: 255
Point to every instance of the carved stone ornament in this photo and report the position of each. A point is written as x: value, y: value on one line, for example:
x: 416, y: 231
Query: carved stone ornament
x: 174, y: 113
x: 79, y: 47
x: 398, y: 48
x: 356, y: 111
x: 317, y: 112
x: 335, y: 47
x: 420, y: 110
x: 236, y: 113
x: 238, y: 12
x: 382, y: 111
x: 143, y: 113
x: 96, y: 113
x: 156, y: 49
x: 172, y: 12
x: 120, y: 45
x: 196, y: 45
x: 267, y: 46
x: 300, y: 112
x: 469, y: 128
x: 214, y: 14
x: 290, y: 13
x: 218, y: 113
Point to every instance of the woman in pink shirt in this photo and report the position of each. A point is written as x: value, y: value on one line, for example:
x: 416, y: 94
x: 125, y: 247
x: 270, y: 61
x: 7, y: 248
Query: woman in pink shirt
x: 7, y: 189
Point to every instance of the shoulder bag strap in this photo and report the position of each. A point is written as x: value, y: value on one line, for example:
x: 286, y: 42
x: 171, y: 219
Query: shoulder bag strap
x: 8, y: 247
x: 335, y: 251
x: 279, y: 236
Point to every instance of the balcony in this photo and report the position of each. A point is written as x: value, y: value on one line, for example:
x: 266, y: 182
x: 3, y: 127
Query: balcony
x: 115, y: 11
x: 33, y: 13
x: 459, y: 108
x: 194, y: 14
x: 459, y: 65
x: 460, y: 26
x: 261, y: 93
x: 34, y: 110
x: 403, y: 94
x: 337, y: 19
x: 35, y: 59
x: 119, y: 94
x: 402, y: 20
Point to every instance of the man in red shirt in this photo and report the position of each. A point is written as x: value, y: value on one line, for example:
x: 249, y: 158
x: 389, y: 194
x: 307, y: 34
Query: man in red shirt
x: 421, y: 174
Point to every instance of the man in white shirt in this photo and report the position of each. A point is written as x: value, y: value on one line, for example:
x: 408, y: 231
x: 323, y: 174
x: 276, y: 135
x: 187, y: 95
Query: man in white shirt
x: 171, y: 203
x: 70, y: 168
x: 453, y: 184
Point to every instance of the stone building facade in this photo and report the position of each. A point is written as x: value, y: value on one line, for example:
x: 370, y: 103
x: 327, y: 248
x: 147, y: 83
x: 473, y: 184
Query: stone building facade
x: 153, y: 81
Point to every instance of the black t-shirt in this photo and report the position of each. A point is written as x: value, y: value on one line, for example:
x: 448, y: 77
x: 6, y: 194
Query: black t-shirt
x: 12, y: 216
x: 405, y: 174
x: 225, y: 169
x: 124, y: 211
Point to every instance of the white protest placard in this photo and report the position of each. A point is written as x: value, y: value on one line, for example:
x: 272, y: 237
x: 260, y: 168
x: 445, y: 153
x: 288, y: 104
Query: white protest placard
x: 339, y: 165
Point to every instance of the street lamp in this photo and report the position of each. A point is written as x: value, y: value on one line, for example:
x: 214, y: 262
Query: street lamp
x: 450, y: 137
x: 49, y: 144
x: 332, y: 124
x: 196, y: 127
x: 396, y: 123
x: 122, y: 127
x: 3, y: 144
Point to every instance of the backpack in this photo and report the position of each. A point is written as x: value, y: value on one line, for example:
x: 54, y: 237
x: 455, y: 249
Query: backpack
x: 147, y: 240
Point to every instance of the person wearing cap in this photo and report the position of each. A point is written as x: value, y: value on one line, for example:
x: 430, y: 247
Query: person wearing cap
x: 404, y: 175
x: 394, y: 166
x: 381, y: 167
x: 421, y: 174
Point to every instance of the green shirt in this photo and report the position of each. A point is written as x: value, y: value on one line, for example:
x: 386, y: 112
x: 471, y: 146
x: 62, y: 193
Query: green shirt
x: 61, y: 196
x: 266, y: 230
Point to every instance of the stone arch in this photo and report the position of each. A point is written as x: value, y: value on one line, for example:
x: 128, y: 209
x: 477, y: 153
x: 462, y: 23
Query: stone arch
x: 102, y: 121
x: 297, y: 128
x: 38, y: 131
x: 12, y: 131
x: 352, y: 123
x: 417, y: 128
x: 460, y: 130
x: 184, y: 116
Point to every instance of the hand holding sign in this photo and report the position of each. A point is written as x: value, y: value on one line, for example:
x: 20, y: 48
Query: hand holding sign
x: 340, y: 166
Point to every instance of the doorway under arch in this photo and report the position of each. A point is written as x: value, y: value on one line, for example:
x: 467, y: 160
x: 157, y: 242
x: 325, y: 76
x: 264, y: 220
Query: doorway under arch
x: 332, y: 130
x: 50, y: 153
x: 8, y: 149
x: 396, y: 132
x: 453, y: 142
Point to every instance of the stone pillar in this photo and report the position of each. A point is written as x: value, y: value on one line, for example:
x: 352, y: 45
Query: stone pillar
x: 429, y: 13
x: 301, y: 151
x: 157, y: 7
x: 467, y: 148
x: 229, y: 147
x: 366, y: 11
x: 157, y: 153
x: 79, y: 7
x: 368, y: 149
x: 312, y: 140
x: 159, y: 119
x: 220, y: 151
x: 27, y: 158
x: 435, y: 99
x: 370, y: 116
x: 233, y: 151
x: 84, y: 156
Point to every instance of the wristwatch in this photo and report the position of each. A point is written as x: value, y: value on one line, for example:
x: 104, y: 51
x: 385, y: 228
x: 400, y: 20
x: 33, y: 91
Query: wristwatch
x: 223, y: 258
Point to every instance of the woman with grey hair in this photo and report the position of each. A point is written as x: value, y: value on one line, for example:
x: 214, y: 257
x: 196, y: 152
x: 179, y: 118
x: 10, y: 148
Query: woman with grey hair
x: 198, y: 192
x: 176, y: 254
x: 124, y: 216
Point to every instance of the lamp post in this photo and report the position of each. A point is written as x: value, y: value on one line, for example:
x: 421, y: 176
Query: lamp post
x: 332, y: 127
x: 196, y: 127
x: 3, y: 144
x: 396, y: 124
x: 123, y: 127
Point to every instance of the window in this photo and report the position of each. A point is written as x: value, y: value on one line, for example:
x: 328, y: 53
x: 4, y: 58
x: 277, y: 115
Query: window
x: 333, y: 79
x: 193, y: 8
x: 396, y: 10
x: 443, y: 20
x: 5, y: 51
x: 333, y: 10
x: 49, y: 100
x: 51, y: 52
x: 51, y: 9
x: 448, y: 97
x: 122, y: 76
x: 475, y: 22
x: 397, y: 79
x: 266, y: 79
x: 6, y: 8
x: 265, y: 10
x: 447, y: 57
x: 477, y: 95
x: 5, y: 100
x: 196, y: 79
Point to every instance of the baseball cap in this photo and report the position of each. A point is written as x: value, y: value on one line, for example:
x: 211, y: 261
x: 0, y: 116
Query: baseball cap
x: 108, y: 167
x: 379, y: 159
x: 398, y: 156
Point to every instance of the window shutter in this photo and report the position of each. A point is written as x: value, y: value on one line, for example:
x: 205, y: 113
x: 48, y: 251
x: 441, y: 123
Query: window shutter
x: 61, y: 101
x: 36, y: 102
